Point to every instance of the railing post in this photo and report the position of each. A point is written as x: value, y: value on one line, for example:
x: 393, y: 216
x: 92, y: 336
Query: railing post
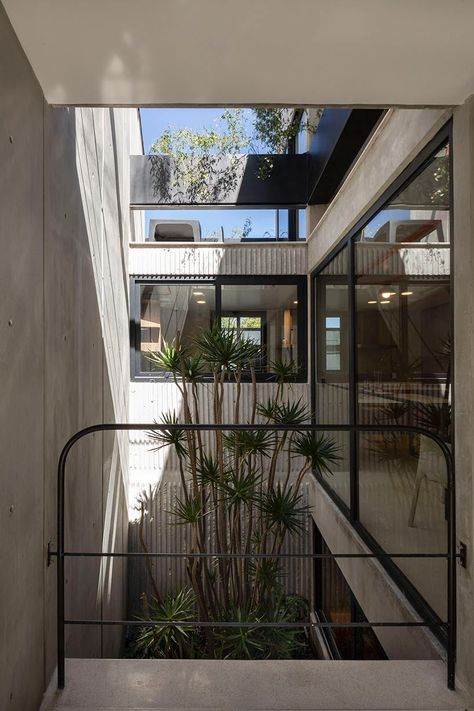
x: 60, y: 627
x: 452, y: 570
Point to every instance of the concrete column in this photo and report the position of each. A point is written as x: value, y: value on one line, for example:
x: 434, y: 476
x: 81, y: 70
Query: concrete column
x: 463, y: 238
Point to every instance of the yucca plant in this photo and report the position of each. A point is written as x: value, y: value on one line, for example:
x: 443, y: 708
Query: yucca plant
x: 168, y: 640
x: 243, y: 485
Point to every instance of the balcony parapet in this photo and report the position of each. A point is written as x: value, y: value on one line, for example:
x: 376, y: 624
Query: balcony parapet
x: 214, y: 258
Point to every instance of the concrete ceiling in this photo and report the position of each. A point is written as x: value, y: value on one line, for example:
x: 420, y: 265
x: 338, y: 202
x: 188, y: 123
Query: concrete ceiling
x: 225, y: 52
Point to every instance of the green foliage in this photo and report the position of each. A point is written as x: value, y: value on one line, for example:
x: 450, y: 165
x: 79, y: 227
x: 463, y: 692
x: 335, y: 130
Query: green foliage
x: 284, y: 413
x: 207, y: 163
x: 173, y: 438
x: 283, y: 509
x: 188, y: 512
x: 320, y: 452
x: 250, y: 442
x: 225, y: 350
x: 242, y: 489
x: 284, y: 371
x: 168, y: 358
x: 170, y: 640
x: 208, y: 470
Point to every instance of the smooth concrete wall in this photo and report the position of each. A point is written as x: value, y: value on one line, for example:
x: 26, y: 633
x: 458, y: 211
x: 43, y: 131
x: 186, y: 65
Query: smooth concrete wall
x: 64, y: 228
x: 463, y: 191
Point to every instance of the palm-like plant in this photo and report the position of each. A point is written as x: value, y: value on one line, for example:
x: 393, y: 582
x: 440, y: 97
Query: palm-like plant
x: 168, y: 640
x: 243, y: 485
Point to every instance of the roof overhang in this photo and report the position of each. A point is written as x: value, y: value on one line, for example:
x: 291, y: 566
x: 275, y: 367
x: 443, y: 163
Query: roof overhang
x: 249, y: 52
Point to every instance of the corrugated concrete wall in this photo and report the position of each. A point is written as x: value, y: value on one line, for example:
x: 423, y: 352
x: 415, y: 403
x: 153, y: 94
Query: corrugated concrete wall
x: 152, y: 259
x: 149, y: 400
x: 64, y: 225
x: 156, y: 474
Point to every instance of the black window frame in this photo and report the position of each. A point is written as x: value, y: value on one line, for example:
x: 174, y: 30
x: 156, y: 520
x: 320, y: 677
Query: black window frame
x: 349, y: 241
x: 218, y: 281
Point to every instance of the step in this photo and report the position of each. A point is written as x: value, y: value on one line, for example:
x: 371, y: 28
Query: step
x: 224, y: 685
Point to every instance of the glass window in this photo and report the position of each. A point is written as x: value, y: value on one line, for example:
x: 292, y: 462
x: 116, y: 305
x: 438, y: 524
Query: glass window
x: 332, y: 379
x: 302, y: 224
x: 266, y: 313
x: 170, y: 313
x: 401, y: 359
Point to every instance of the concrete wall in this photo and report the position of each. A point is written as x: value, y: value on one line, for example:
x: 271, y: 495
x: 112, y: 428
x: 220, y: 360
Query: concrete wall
x: 379, y: 597
x: 64, y: 227
x: 463, y: 189
x: 397, y: 141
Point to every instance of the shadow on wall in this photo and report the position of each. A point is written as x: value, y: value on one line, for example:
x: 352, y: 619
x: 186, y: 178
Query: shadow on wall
x: 87, y: 367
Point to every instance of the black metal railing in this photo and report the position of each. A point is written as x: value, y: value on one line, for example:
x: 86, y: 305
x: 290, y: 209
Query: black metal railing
x: 451, y: 556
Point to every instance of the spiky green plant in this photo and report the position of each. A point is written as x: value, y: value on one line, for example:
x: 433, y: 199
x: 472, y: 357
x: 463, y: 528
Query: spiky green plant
x: 244, y: 486
x: 320, y: 452
x: 168, y: 640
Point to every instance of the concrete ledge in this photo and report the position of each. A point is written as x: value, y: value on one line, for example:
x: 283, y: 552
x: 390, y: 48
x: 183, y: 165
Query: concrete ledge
x: 258, y: 686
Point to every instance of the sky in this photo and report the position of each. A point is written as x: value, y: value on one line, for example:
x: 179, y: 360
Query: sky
x: 154, y: 122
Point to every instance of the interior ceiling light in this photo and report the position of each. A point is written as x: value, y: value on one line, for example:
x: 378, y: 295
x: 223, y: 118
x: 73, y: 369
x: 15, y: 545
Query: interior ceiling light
x: 295, y: 302
x: 386, y: 301
x: 387, y: 293
x: 406, y: 293
x: 200, y: 301
x: 198, y: 293
x: 372, y: 302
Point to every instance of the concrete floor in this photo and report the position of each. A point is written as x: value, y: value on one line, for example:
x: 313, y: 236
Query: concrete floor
x: 193, y: 685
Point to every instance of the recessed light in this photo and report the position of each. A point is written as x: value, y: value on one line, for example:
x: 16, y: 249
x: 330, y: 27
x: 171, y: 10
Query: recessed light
x: 200, y: 301
x: 198, y: 293
x: 372, y: 302
x: 386, y: 301
x: 406, y: 293
x: 295, y: 302
x: 387, y: 294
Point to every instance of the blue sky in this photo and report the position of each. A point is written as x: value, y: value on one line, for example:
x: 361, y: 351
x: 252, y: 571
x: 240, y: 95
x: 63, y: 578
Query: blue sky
x: 154, y: 122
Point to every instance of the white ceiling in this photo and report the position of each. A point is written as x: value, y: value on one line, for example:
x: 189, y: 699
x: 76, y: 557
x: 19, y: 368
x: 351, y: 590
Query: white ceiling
x: 224, y: 52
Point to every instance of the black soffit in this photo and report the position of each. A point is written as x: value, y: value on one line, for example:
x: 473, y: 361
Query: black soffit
x: 294, y: 182
x: 339, y: 139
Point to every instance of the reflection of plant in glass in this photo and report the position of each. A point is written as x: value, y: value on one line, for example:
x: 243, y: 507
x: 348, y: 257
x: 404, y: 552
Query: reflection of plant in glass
x: 440, y: 193
x: 246, y: 487
x: 243, y: 232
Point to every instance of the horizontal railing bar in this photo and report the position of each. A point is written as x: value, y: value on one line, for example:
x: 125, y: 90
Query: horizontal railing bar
x: 451, y: 556
x: 208, y: 427
x: 251, y: 556
x: 292, y: 625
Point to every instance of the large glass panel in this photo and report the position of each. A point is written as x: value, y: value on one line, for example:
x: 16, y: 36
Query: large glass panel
x: 403, y: 356
x: 283, y: 222
x: 302, y: 224
x: 266, y: 314
x: 332, y: 376
x: 172, y: 312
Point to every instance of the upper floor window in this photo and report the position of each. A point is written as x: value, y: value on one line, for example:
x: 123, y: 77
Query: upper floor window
x: 270, y: 311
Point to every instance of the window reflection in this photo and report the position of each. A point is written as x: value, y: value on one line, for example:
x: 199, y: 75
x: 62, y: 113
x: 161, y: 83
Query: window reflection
x: 403, y: 355
x: 401, y: 359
